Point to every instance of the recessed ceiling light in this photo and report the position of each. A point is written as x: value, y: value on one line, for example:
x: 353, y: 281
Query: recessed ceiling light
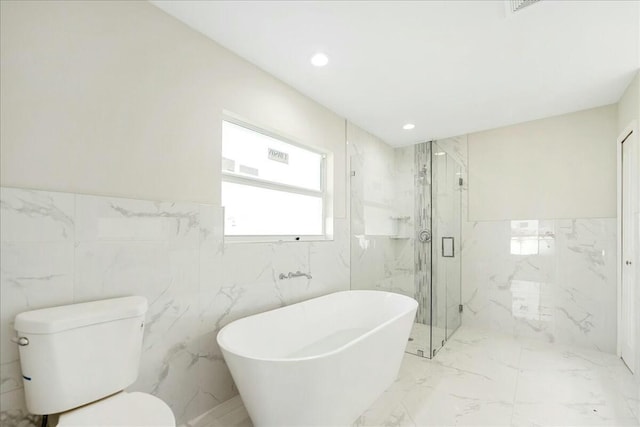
x: 408, y: 126
x: 319, y: 59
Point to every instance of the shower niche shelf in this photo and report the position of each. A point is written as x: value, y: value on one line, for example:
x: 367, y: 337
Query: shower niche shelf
x: 402, y: 227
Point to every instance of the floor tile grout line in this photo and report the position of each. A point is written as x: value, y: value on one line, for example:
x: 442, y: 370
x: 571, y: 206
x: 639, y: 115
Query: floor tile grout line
x: 628, y: 401
x: 521, y: 362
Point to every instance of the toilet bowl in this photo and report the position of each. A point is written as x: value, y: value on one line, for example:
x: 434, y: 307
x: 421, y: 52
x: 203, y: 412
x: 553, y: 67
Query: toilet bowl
x: 120, y: 410
x: 78, y: 359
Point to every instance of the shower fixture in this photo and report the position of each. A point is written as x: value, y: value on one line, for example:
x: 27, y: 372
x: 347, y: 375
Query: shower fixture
x: 423, y: 172
x: 291, y: 275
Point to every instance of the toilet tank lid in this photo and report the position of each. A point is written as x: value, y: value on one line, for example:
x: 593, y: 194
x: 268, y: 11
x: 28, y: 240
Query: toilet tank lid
x: 65, y: 317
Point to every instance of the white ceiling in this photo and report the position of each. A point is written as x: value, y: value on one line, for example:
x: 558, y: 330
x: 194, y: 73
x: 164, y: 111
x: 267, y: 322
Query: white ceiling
x: 450, y: 67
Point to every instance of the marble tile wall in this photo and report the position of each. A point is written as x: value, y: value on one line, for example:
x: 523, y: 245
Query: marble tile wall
x: 381, y: 214
x: 422, y: 253
x: 403, y: 273
x: 60, y: 248
x: 389, y: 260
x: 548, y: 279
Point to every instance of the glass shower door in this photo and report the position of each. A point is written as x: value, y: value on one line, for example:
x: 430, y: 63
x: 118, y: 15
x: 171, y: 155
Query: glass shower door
x: 446, y: 266
x: 405, y: 214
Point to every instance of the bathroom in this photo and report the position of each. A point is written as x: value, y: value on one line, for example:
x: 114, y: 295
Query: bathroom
x: 112, y: 175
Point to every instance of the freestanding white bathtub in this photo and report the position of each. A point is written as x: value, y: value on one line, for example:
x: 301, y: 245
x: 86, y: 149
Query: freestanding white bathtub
x: 321, y: 362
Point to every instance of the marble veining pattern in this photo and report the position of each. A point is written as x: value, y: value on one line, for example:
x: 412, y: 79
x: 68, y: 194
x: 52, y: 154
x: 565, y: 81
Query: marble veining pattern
x: 60, y: 248
x: 423, y: 221
x: 548, y: 279
x: 385, y: 254
x: 381, y: 215
x: 484, y: 378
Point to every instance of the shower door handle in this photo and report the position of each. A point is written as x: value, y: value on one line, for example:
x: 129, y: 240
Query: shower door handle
x: 424, y: 236
x: 448, y: 248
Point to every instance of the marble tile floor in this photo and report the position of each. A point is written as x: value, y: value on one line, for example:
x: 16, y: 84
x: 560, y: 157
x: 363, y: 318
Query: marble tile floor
x: 420, y: 336
x: 419, y: 339
x: 482, y: 378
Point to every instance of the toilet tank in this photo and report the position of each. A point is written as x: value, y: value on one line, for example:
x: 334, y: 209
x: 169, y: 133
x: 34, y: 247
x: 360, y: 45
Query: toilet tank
x: 79, y: 353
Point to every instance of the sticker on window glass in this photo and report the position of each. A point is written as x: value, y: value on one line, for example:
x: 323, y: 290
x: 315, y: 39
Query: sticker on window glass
x: 278, y: 156
x: 228, y: 165
x: 249, y: 170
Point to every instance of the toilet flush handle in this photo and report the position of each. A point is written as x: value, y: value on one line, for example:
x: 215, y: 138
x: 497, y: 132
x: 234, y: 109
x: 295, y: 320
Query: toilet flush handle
x: 20, y: 340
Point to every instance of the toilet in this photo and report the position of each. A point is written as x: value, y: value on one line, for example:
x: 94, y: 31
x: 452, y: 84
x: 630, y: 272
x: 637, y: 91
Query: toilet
x: 77, y: 360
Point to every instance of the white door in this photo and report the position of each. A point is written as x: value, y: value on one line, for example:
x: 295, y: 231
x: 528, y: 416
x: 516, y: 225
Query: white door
x: 629, y: 242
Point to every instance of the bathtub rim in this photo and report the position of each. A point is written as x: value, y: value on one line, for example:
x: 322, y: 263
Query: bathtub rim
x: 414, y: 307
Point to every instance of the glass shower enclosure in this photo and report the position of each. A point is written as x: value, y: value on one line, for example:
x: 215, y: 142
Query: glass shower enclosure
x: 405, y: 214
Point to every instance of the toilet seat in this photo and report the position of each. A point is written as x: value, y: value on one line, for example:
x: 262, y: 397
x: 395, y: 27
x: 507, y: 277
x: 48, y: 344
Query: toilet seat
x: 122, y: 409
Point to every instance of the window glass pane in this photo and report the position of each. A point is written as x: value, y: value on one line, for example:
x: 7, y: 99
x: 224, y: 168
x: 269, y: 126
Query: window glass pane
x: 255, y: 155
x: 256, y: 211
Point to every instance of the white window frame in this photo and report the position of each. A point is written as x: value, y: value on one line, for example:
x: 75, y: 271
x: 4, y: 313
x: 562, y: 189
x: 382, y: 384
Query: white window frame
x: 235, y: 178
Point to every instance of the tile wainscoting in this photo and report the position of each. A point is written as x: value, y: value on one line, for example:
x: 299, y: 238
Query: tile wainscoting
x: 546, y: 279
x: 553, y: 280
x: 61, y: 248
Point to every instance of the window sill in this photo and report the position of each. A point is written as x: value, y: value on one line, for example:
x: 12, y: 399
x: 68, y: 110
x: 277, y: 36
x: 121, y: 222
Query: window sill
x: 276, y: 239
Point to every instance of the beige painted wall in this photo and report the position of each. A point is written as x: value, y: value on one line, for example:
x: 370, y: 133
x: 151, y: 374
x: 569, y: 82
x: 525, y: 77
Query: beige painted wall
x: 629, y: 105
x: 118, y: 98
x: 558, y: 167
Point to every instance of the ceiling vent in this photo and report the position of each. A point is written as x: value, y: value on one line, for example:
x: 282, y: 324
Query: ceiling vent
x: 514, y: 6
